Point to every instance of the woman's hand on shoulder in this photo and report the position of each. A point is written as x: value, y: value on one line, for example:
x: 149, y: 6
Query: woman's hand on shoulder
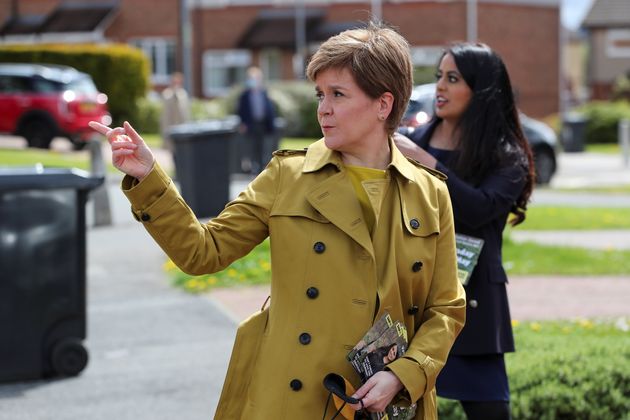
x: 378, y: 391
x: 410, y: 149
x: 130, y: 154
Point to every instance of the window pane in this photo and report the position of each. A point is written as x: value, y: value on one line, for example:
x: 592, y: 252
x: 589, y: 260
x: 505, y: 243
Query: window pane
x: 171, y: 57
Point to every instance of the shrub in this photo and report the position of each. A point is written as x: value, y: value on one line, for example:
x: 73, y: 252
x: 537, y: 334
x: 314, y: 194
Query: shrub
x: 297, y: 104
x: 150, y: 110
x: 566, y: 370
x: 147, y: 119
x: 603, y: 120
x: 621, y: 89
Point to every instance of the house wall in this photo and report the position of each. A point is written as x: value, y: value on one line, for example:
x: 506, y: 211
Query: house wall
x: 526, y: 36
x: 604, y: 68
x: 26, y: 7
x: 531, y: 54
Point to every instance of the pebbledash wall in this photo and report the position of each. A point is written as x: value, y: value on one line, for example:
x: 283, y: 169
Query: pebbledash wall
x: 229, y: 35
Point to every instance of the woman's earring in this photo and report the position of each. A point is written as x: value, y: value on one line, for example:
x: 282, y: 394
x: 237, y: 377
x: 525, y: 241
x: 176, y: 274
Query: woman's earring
x: 381, y: 117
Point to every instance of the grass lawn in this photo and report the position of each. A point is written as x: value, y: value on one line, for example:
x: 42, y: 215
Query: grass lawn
x: 575, y: 218
x: 525, y: 258
x: 53, y: 159
x: 610, y: 149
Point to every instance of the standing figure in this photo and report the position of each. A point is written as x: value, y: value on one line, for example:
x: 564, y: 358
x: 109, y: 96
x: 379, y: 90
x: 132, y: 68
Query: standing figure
x: 476, y: 139
x: 257, y: 115
x: 356, y: 230
x: 175, y: 109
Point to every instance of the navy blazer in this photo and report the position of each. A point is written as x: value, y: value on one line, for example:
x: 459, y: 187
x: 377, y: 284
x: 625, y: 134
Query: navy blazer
x: 481, y: 211
x: 244, y: 111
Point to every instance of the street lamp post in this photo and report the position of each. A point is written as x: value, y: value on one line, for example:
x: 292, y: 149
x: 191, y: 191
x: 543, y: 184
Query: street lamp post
x: 471, y: 20
x: 300, y: 39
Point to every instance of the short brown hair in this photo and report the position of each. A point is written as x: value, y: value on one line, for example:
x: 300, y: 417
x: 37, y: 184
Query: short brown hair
x: 378, y: 58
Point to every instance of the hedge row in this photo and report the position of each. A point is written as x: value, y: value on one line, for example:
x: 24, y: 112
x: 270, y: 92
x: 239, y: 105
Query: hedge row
x: 566, y: 370
x: 603, y: 120
x: 295, y: 102
x: 119, y: 70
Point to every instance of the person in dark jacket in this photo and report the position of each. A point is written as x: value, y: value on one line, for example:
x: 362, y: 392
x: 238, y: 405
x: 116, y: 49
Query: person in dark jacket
x: 476, y: 139
x: 257, y: 115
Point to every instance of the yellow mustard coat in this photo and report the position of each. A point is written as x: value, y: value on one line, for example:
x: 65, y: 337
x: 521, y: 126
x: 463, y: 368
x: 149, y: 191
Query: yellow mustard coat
x: 327, y: 271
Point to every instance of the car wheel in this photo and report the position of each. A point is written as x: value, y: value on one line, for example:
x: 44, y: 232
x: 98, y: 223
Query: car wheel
x: 38, y: 133
x: 545, y: 166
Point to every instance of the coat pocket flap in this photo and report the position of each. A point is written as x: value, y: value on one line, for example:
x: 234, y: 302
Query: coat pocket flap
x: 421, y: 221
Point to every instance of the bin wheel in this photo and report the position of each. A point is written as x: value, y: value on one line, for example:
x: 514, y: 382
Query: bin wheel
x: 69, y: 357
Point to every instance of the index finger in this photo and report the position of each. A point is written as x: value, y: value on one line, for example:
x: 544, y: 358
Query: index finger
x: 97, y: 126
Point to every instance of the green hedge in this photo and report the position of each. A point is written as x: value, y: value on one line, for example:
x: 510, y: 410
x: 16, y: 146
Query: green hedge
x: 294, y: 101
x: 119, y: 70
x: 603, y: 120
x: 566, y: 370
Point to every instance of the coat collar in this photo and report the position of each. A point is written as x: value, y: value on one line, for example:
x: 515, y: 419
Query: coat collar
x: 318, y: 156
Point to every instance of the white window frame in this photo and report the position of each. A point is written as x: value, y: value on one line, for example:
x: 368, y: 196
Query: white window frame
x: 161, y: 74
x: 612, y: 37
x: 267, y: 57
x: 221, y: 60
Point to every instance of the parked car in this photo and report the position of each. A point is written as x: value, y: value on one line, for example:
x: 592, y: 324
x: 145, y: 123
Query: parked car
x: 541, y: 137
x: 43, y: 101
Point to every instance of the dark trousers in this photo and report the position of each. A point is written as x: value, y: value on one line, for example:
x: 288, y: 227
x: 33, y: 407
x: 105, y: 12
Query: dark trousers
x: 256, y: 134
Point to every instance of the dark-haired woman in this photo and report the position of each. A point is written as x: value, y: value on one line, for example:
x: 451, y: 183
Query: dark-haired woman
x: 476, y: 139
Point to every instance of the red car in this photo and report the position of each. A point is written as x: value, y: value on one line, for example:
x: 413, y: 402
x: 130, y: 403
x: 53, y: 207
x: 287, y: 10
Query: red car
x: 43, y: 101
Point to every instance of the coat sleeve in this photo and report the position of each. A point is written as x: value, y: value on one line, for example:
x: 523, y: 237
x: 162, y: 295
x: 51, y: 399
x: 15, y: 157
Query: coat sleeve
x: 476, y: 206
x: 198, y: 248
x: 443, y: 317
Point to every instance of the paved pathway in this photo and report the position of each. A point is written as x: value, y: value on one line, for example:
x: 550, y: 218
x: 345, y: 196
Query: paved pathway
x: 158, y: 354
x: 531, y: 297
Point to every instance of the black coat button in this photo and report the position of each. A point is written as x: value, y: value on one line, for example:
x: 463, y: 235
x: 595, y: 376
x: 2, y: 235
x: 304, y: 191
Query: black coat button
x: 305, y: 338
x: 295, y: 384
x: 417, y: 266
x: 414, y: 223
x: 312, y: 292
x: 319, y: 247
x: 413, y: 310
x: 145, y: 217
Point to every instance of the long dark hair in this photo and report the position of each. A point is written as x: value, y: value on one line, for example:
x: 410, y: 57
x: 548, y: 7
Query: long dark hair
x: 489, y: 130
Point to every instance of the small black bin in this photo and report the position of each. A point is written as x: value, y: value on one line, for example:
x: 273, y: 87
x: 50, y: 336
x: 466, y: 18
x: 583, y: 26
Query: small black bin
x: 574, y: 132
x: 42, y: 272
x: 203, y: 156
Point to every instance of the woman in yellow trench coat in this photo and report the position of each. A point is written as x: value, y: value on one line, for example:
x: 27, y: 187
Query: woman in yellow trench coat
x: 356, y: 230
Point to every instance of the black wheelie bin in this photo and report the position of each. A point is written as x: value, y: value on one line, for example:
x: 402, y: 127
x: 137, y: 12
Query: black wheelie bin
x: 43, y: 272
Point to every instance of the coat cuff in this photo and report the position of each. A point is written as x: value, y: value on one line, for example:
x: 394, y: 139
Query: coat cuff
x: 149, y: 197
x: 411, y: 375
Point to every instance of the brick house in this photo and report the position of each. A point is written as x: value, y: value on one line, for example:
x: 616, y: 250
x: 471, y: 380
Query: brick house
x: 608, y: 27
x: 226, y: 36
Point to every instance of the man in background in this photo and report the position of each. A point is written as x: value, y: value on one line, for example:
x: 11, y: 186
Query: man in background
x: 257, y: 119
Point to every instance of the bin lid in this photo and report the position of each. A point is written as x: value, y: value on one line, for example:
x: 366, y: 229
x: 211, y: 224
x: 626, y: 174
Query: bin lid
x: 202, y: 128
x: 38, y: 177
x: 574, y: 117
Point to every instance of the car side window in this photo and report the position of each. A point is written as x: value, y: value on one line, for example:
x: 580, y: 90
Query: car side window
x: 13, y: 84
x: 45, y: 86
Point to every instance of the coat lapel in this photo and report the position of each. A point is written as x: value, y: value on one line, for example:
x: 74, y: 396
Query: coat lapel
x: 336, y: 200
